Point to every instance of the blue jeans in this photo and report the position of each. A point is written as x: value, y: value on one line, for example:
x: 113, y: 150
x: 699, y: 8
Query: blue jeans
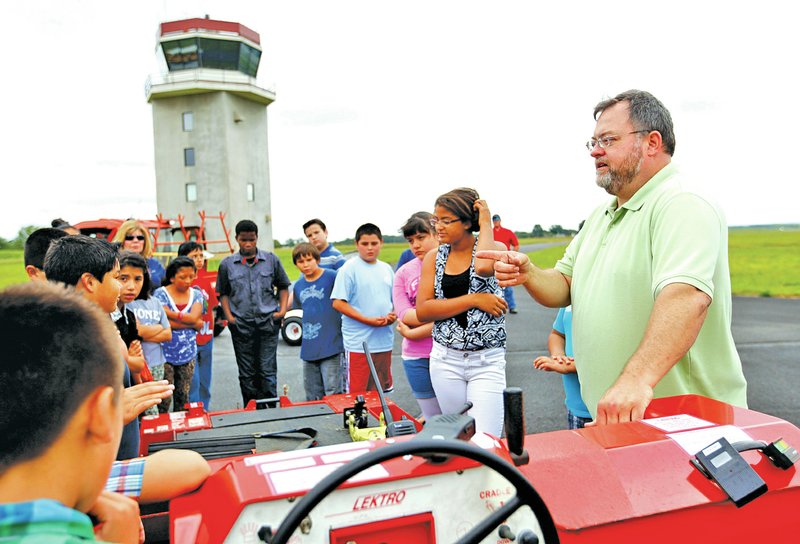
x: 201, y: 381
x: 324, y: 377
x: 255, y: 347
x: 418, y: 373
x: 508, y: 294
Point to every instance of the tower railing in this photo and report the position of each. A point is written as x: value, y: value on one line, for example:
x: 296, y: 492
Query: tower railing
x: 201, y: 75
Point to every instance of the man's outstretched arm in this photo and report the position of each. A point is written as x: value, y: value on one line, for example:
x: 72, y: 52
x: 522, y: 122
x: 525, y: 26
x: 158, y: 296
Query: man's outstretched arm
x: 548, y: 287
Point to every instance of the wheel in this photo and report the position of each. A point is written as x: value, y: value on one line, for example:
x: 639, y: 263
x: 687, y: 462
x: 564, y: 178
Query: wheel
x: 292, y: 331
x: 526, y: 495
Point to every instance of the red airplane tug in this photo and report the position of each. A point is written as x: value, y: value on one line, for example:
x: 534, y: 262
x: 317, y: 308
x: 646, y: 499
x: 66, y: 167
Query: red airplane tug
x: 694, y: 470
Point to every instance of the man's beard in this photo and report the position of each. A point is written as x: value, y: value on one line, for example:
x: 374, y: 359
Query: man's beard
x: 614, y: 180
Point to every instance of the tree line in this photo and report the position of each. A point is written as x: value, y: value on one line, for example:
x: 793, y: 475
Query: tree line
x: 536, y: 232
x: 539, y: 232
x: 18, y: 242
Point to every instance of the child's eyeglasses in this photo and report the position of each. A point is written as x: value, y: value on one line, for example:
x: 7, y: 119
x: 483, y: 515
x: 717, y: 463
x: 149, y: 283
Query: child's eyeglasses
x: 445, y: 222
x: 130, y: 237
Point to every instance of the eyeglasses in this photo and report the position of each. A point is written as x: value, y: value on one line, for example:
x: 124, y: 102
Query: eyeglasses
x: 129, y: 237
x: 608, y: 141
x: 435, y: 220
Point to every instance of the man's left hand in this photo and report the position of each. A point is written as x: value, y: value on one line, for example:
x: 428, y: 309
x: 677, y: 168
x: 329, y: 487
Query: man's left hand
x: 624, y: 401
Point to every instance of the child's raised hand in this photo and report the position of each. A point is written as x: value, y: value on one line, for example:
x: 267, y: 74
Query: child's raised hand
x: 138, y: 398
x: 482, y: 208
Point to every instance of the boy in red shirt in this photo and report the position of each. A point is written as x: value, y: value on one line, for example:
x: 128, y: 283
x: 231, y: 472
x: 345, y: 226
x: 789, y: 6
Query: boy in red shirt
x: 509, y: 239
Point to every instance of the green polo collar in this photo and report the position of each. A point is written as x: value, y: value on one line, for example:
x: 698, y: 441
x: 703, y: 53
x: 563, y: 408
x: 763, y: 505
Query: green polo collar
x: 640, y: 197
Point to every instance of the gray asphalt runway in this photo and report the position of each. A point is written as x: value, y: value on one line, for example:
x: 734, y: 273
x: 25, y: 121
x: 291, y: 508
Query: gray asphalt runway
x: 767, y: 334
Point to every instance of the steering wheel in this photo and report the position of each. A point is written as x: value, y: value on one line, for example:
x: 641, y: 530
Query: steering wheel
x: 525, y: 493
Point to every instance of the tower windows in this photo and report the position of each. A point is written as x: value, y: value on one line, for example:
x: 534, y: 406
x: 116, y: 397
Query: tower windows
x: 188, y: 156
x: 188, y: 121
x: 251, y: 192
x: 216, y: 53
x: 191, y: 192
x: 181, y: 54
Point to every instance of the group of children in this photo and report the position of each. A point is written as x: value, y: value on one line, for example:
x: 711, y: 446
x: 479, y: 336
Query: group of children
x: 447, y: 306
x: 462, y: 331
x: 346, y: 305
x: 170, y: 329
x: 164, y: 316
x: 90, y: 381
x: 75, y: 450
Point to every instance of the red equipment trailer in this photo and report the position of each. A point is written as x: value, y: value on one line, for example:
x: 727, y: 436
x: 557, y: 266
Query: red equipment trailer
x: 106, y: 229
x: 631, y: 482
x: 166, y: 233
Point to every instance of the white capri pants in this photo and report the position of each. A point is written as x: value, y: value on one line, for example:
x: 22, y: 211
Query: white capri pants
x: 476, y: 376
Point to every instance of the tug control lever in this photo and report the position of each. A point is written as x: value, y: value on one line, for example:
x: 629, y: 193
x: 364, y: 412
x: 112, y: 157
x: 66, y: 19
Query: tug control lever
x: 514, y: 423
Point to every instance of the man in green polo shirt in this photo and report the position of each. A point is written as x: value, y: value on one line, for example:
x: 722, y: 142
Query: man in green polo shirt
x: 647, y: 276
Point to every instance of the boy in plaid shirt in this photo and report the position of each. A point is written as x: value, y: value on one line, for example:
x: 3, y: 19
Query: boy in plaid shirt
x: 61, y: 350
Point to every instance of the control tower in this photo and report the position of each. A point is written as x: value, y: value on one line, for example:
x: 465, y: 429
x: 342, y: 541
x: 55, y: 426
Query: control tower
x: 210, y: 126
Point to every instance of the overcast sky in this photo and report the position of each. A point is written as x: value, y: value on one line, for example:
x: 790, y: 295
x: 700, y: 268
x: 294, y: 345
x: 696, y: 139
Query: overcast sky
x: 383, y: 106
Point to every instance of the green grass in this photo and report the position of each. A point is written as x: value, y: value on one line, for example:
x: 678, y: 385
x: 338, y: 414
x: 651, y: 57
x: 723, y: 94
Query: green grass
x: 12, y: 268
x: 389, y: 253
x: 547, y: 258
x: 763, y: 262
x: 545, y: 240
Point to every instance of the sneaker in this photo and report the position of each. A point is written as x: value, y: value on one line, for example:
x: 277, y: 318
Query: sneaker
x: 513, y: 311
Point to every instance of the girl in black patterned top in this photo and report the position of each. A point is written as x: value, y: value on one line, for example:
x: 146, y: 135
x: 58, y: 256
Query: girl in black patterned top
x: 460, y: 294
